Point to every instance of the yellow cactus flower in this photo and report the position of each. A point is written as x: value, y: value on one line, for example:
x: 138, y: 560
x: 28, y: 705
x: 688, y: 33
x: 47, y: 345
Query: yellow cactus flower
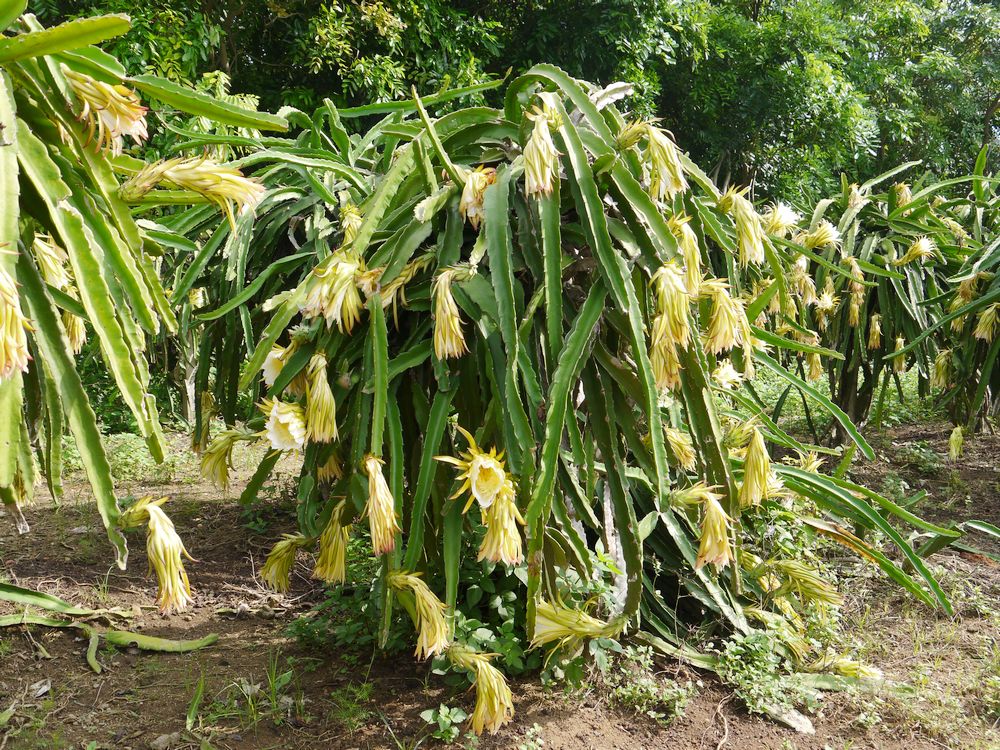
x: 666, y: 364
x: 330, y: 470
x: 780, y: 219
x: 286, y: 425
x: 274, y: 363
x: 350, y: 222
x: 217, y: 458
x: 222, y: 185
x: 824, y: 235
x: 727, y: 324
x: 802, y: 282
x: 903, y: 194
x: 696, y: 494
x: 471, y: 203
x: 383, y: 522
x: 756, y: 467
x: 165, y: 551
x: 541, y: 159
x: 76, y: 331
x: 432, y: 629
x: 922, y: 248
x: 494, y: 702
x: 714, y: 547
x: 986, y: 323
x: 331, y: 292
x: 277, y: 569
x: 814, y: 366
x: 799, y: 578
x: 681, y: 446
x: 856, y: 287
x: 855, y: 199
x: 899, y: 361
x: 826, y: 303
x: 941, y: 375
x: 687, y: 241
x: 671, y: 294
x: 53, y: 262
x: 321, y: 409
x: 483, y: 473
x: 666, y: 173
x: 727, y: 376
x: 749, y: 231
x: 556, y: 623
x: 331, y: 563
x: 874, y: 331
x: 956, y: 441
x: 449, y: 341
x: 14, y: 356
x: 956, y: 229
x: 502, y: 542
x: 113, y: 111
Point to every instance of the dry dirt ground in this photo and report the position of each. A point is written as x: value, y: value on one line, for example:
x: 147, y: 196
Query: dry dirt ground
x: 50, y: 698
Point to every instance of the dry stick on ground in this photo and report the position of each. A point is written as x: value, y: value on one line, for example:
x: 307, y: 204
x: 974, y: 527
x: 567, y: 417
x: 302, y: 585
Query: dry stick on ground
x: 725, y: 721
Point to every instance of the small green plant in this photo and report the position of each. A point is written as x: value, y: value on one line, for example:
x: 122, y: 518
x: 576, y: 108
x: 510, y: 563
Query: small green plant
x: 352, y: 705
x: 990, y: 696
x: 532, y: 739
x: 923, y: 458
x: 757, y: 672
x: 635, y: 686
x: 446, y: 721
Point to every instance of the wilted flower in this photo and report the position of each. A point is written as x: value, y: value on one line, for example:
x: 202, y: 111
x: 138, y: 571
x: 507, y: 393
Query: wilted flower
x: 874, y: 331
x: 804, y: 581
x: 903, y: 194
x: 555, y: 623
x: 780, y: 219
x: 541, y: 159
x: 955, y: 443
x: 164, y: 550
x: 687, y: 241
x: 941, y: 376
x: 854, y: 197
x: 681, y: 446
x: 826, y: 303
x: 986, y: 323
x: 749, y: 232
x: 332, y: 291
x: 666, y: 365
x: 856, y: 287
x: 483, y: 472
x: 824, y: 235
x: 449, y: 341
x: 381, y: 508
x: 76, y: 331
x: 277, y: 569
x: 671, y: 324
x: 53, y: 262
x: 432, y: 629
x: 922, y: 248
x: 476, y: 182
x: 14, y: 355
x: 756, y: 467
x: 956, y: 229
x: 727, y: 376
x: 286, y: 425
x: 802, y: 282
x: 727, y: 324
x: 222, y: 185
x: 899, y: 361
x: 666, y: 173
x: 113, y: 111
x: 494, y: 702
x: 321, y: 409
x: 331, y: 469
x: 502, y: 542
x: 331, y: 563
x: 714, y: 547
x: 814, y: 366
x: 350, y: 222
x: 274, y: 363
x: 217, y: 458
x: 696, y: 494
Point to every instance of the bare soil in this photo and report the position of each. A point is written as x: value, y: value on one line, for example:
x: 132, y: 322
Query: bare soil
x: 343, y: 700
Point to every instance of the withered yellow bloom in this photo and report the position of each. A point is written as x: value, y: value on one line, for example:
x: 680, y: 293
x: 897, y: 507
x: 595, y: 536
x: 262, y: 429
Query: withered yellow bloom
x: 331, y: 563
x: 681, y: 446
x: 986, y: 323
x: 483, y: 472
x: 922, y: 248
x: 277, y: 569
x: 331, y: 292
x: 76, y: 331
x: 899, y: 361
x: 780, y: 219
x: 494, y: 702
x: 471, y: 203
x: 113, y: 111
x: 672, y: 300
x: 904, y: 195
x: 330, y: 470
x: 380, y: 509
x: 802, y: 282
x: 666, y: 365
x: 687, y: 241
x: 727, y: 324
x: 855, y: 199
x: 321, y: 409
x: 814, y: 366
x: 502, y: 542
x: 749, y: 231
x: 350, y: 222
x: 826, y: 303
x: 666, y: 173
x: 286, y: 425
x: 449, y: 341
x: 696, y: 494
x: 874, y: 331
x: 856, y: 287
x: 217, y: 458
x: 956, y: 229
x: 956, y: 441
x: 432, y: 629
x: 53, y: 262
x: 541, y: 159
x: 222, y: 185
x: 804, y: 581
x: 14, y: 356
x: 941, y: 375
x: 727, y: 376
x: 165, y: 550
x: 556, y: 623
x: 756, y: 467
x: 714, y: 547
x: 824, y: 235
